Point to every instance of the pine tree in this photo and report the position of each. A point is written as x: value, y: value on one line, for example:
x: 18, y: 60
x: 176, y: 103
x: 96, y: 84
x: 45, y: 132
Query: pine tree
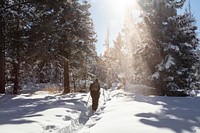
x: 118, y: 53
x: 179, y: 64
x: 84, y: 54
x: 71, y: 35
x: 16, y: 24
x: 155, y: 14
x: 2, y: 48
x: 45, y: 39
x: 101, y: 69
x: 175, y: 39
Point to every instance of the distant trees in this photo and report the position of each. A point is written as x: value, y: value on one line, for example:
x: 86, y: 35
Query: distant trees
x: 46, y: 40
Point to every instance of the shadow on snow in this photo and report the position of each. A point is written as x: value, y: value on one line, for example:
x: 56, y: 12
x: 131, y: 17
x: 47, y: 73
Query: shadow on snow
x: 178, y: 113
x: 16, y: 110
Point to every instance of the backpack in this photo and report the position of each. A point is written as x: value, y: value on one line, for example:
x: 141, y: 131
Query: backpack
x: 95, y: 86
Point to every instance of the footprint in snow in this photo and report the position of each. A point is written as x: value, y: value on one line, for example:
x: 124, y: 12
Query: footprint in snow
x: 96, y: 118
x: 72, y: 111
x: 92, y: 121
x: 67, y: 118
x: 49, y: 128
x: 58, y: 115
x: 108, y: 99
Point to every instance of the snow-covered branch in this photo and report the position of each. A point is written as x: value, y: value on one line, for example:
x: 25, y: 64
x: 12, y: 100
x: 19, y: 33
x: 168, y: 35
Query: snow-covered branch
x: 20, y: 3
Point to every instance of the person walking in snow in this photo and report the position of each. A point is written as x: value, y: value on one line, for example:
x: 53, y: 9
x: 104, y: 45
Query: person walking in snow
x: 95, y: 94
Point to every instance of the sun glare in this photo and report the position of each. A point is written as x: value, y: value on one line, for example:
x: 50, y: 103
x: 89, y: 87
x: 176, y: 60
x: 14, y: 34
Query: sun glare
x: 120, y: 6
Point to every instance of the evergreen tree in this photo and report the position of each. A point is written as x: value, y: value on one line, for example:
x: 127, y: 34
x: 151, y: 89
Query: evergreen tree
x: 71, y: 37
x: 44, y: 37
x: 155, y: 15
x: 118, y: 53
x: 196, y: 85
x: 107, y: 60
x: 2, y: 48
x: 175, y: 40
x: 101, y: 69
x: 178, y: 67
x: 16, y: 24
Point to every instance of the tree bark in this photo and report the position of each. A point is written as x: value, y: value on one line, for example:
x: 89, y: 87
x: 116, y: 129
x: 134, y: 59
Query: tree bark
x: 16, y: 49
x: 16, y: 79
x: 66, y: 78
x: 16, y: 66
x: 74, y: 82
x: 2, y: 54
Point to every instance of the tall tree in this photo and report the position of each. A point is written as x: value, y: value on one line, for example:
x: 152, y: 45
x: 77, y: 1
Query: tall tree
x: 16, y: 46
x: 70, y: 37
x: 35, y: 51
x: 180, y: 56
x: 2, y: 48
x: 175, y: 39
x: 155, y: 15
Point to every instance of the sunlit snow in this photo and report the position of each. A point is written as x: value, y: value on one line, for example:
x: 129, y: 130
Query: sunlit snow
x: 120, y: 111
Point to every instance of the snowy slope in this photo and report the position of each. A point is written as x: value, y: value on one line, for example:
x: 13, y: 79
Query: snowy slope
x: 119, y: 112
x: 129, y: 113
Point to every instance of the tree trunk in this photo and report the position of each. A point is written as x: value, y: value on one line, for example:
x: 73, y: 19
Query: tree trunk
x: 2, y: 55
x: 16, y: 79
x: 2, y: 68
x: 74, y: 82
x: 16, y: 64
x: 85, y: 76
x: 66, y: 78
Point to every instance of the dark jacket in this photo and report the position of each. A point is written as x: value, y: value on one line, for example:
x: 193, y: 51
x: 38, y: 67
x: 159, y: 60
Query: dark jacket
x: 95, y: 86
x: 95, y: 94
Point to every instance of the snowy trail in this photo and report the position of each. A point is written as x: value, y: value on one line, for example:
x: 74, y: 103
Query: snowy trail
x: 119, y: 112
x: 128, y: 113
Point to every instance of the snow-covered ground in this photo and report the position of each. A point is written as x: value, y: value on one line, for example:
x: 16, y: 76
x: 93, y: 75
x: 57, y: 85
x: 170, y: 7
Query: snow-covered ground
x: 129, y: 113
x: 120, y: 111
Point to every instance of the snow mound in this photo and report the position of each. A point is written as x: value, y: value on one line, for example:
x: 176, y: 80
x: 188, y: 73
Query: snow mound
x: 140, y: 89
x: 194, y: 93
